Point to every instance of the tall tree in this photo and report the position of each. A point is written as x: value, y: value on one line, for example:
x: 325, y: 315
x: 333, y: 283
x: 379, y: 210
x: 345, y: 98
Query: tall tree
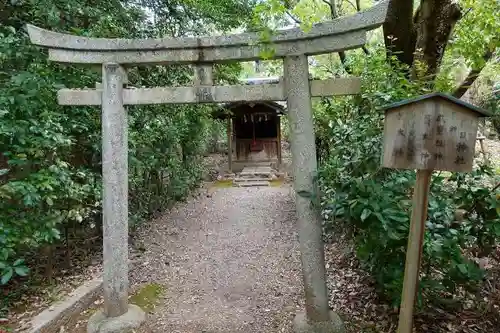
x: 421, y: 39
x: 418, y: 33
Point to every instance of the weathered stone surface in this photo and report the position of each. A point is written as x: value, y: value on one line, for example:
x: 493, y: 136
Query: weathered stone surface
x: 254, y: 183
x: 333, y: 325
x: 366, y: 20
x: 304, y: 169
x: 319, y: 45
x: 61, y: 313
x: 336, y: 87
x: 127, y: 322
x: 177, y: 95
x: 214, y: 94
x: 203, y: 75
x: 115, y: 192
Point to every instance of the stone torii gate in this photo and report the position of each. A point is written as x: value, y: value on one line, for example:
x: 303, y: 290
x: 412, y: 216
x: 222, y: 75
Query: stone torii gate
x: 293, y: 46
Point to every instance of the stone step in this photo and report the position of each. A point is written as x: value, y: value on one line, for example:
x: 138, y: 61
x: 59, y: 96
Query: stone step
x: 253, y: 175
x: 251, y: 179
x: 256, y: 172
x: 252, y: 183
x: 259, y: 177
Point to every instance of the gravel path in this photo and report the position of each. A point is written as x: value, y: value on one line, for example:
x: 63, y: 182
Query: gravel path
x: 229, y: 262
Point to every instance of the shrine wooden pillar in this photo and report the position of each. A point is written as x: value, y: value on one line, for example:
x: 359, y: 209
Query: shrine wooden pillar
x: 278, y: 136
x: 230, y: 144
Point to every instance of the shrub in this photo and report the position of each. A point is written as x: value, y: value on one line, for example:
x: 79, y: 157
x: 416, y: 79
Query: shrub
x: 374, y: 204
x: 50, y: 161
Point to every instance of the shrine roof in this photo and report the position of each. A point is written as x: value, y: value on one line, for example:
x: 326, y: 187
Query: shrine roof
x: 276, y: 106
x: 482, y: 112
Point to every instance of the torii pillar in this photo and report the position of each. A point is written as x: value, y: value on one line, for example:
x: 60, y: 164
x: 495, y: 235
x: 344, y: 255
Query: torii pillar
x: 117, y: 314
x: 293, y: 45
x: 317, y: 318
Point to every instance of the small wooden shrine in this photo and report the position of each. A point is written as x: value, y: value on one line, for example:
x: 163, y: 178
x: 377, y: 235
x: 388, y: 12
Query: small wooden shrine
x: 254, y: 134
x: 253, y: 130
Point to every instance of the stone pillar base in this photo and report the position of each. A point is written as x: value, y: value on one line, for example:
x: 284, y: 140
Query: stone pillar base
x: 128, y: 322
x: 334, y: 325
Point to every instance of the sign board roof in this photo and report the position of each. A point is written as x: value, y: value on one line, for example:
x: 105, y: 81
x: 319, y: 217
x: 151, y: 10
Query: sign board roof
x: 482, y: 112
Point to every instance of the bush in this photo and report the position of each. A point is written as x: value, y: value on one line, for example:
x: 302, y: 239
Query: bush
x: 374, y: 204
x: 50, y: 162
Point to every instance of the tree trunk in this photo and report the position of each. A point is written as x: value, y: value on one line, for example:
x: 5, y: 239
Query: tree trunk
x: 472, y: 76
x: 49, y: 266
x: 334, y: 14
x: 399, y: 34
x: 358, y: 5
x: 434, y: 23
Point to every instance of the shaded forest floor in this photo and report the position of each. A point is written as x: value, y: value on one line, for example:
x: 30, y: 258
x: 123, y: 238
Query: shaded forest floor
x: 354, y: 296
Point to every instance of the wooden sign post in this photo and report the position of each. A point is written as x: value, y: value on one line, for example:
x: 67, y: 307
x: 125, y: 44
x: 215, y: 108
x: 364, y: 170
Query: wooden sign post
x: 432, y: 132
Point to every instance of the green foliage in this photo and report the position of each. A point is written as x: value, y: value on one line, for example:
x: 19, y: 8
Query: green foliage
x: 42, y: 183
x: 50, y: 162
x: 477, y: 32
x: 374, y: 204
x: 474, y: 36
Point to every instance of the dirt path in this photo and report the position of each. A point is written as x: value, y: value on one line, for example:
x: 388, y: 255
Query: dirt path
x: 229, y: 263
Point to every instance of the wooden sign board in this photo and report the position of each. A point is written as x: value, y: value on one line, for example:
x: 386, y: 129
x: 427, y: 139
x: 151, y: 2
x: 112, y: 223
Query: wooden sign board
x: 430, y: 134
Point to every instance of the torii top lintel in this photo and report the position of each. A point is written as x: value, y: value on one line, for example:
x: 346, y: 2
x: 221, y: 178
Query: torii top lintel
x: 333, y: 36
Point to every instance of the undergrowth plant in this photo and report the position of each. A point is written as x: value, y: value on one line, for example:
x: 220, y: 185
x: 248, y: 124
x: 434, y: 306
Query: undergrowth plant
x: 50, y: 155
x: 374, y: 204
